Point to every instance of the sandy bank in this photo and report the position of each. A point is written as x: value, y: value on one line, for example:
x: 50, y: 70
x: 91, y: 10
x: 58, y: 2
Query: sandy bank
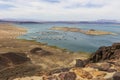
x: 9, y: 31
x: 88, y: 32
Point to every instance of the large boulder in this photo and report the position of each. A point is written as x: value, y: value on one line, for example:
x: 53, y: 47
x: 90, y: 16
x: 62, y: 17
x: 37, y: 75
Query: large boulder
x: 106, y: 53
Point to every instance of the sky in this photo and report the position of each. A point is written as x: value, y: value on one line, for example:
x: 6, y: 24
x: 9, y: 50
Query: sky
x: 60, y: 10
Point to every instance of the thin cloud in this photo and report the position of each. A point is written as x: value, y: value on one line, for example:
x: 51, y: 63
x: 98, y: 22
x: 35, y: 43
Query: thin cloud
x: 60, y: 9
x: 5, y: 6
x: 52, y: 1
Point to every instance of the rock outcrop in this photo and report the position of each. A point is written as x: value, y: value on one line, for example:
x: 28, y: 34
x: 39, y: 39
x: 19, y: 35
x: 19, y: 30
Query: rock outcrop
x: 104, y: 64
x: 106, y: 53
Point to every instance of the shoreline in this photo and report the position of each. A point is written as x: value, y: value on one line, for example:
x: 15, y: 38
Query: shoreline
x: 9, y: 31
x: 21, y: 31
x: 58, y: 57
x: 57, y: 47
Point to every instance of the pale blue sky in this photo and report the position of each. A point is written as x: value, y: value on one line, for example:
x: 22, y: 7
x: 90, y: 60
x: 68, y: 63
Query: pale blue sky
x: 60, y: 10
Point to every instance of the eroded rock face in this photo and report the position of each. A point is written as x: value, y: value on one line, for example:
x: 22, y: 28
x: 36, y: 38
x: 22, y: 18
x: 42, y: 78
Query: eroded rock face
x: 106, y: 53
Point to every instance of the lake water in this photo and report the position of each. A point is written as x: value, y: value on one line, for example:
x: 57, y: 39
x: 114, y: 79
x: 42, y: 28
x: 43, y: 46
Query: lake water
x: 72, y: 41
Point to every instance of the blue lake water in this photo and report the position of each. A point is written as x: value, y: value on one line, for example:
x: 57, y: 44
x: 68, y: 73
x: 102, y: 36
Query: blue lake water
x: 72, y: 41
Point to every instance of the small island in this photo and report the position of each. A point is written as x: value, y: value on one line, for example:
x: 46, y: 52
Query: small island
x: 88, y: 32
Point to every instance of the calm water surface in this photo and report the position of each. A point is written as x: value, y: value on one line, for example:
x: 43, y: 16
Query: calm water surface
x: 72, y: 41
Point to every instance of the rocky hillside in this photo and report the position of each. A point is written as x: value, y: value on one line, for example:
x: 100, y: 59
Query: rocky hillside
x: 106, y: 53
x: 104, y: 64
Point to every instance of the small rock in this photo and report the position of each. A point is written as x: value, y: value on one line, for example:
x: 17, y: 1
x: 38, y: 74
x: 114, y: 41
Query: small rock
x: 40, y: 51
x: 35, y: 50
x: 109, y: 76
x: 98, y: 79
x: 117, y: 63
x: 83, y: 73
x: 89, y: 69
x: 98, y: 73
x: 92, y: 65
x: 67, y: 76
x: 111, y: 70
x: 59, y: 70
x: 53, y: 77
x: 104, y: 67
x: 79, y: 63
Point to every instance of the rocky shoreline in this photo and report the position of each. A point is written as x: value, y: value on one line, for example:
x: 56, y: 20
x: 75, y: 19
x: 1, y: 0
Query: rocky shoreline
x: 88, y: 32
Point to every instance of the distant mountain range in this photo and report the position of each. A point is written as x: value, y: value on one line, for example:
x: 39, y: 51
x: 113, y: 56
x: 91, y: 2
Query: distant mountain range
x: 101, y: 21
x: 105, y: 20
